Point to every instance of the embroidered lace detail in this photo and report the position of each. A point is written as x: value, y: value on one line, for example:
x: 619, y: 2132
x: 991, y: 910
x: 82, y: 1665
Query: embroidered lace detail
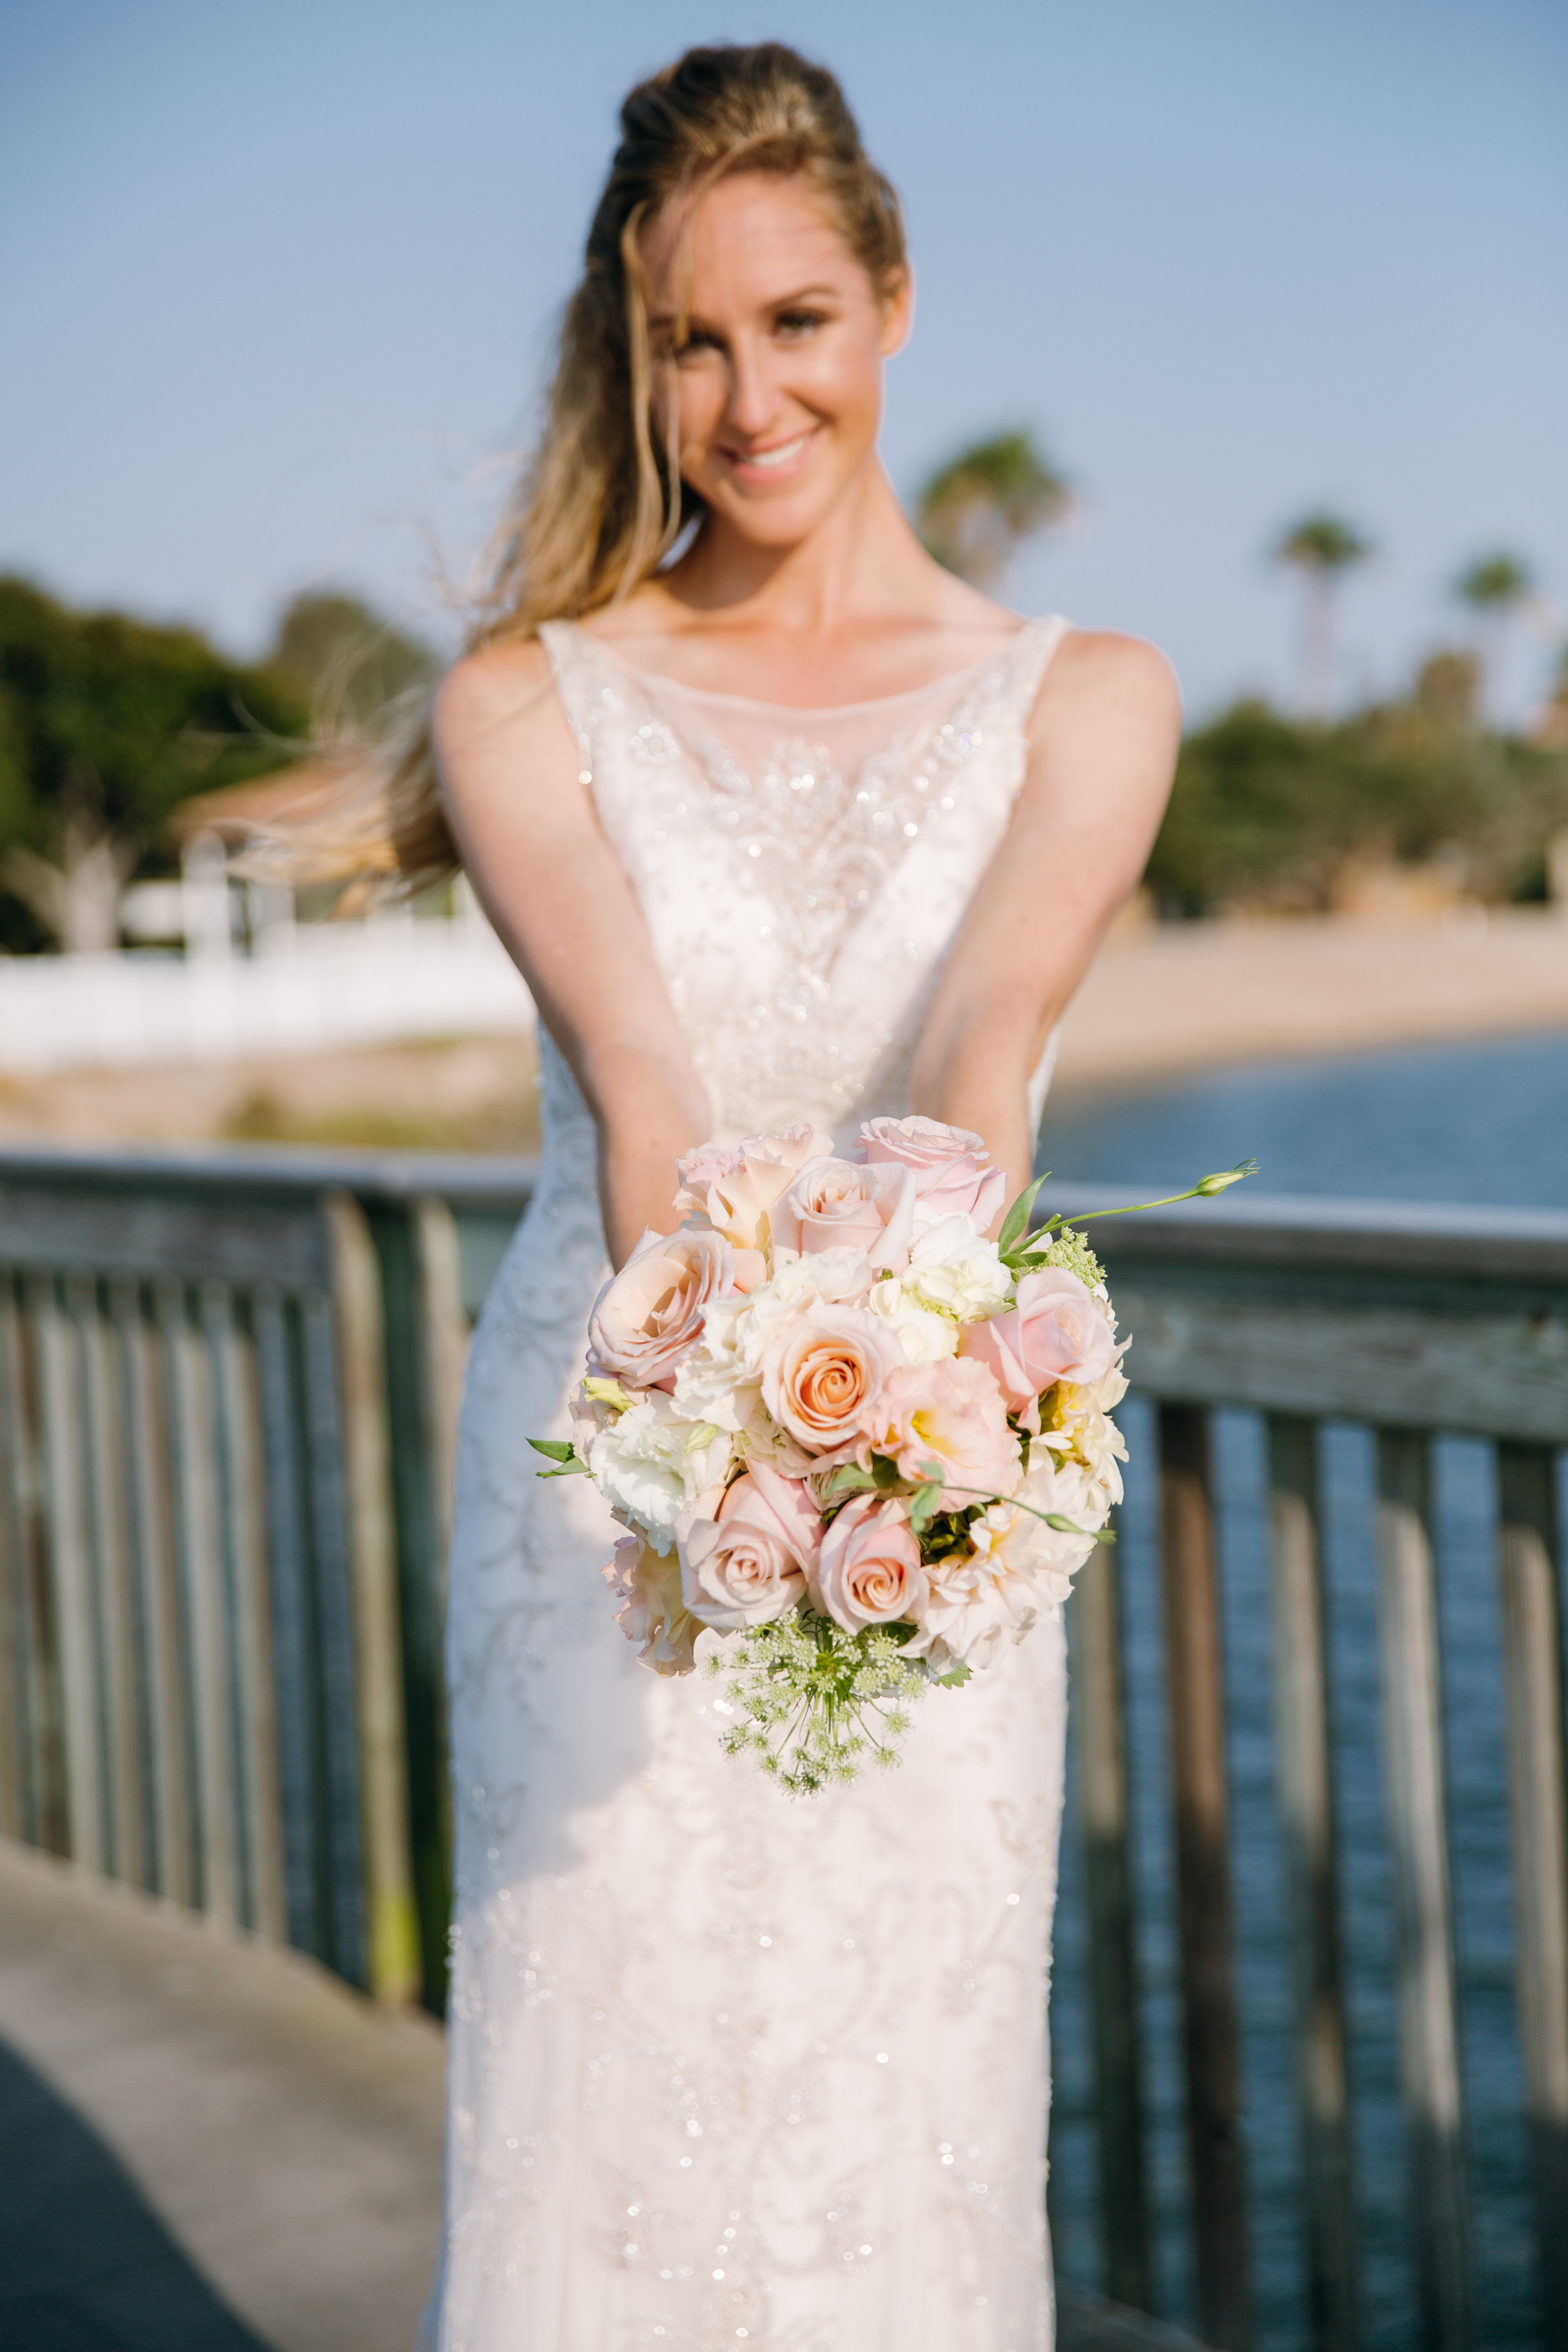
x: 729, y: 2074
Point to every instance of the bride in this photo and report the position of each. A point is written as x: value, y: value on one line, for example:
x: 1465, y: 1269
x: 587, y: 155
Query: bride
x: 782, y: 822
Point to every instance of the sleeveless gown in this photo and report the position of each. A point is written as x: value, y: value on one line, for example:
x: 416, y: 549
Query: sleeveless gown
x: 733, y: 2071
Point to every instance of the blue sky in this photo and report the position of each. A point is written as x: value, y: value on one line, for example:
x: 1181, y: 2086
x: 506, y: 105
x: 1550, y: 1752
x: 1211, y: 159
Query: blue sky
x: 278, y: 282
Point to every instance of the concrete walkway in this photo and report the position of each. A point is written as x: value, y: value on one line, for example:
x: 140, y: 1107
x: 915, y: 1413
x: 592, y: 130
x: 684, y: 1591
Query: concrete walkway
x: 209, y: 2145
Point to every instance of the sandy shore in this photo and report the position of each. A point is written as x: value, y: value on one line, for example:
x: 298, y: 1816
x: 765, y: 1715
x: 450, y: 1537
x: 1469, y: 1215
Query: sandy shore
x: 1162, y: 1004
x: 1198, y: 996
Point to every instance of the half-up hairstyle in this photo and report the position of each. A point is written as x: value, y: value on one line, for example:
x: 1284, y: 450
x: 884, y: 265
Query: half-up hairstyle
x: 601, y: 503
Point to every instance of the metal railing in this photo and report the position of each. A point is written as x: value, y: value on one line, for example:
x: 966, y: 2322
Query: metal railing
x: 227, y: 1394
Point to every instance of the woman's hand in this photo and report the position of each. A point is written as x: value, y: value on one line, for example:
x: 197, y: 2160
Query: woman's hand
x: 1103, y: 742
x: 525, y: 822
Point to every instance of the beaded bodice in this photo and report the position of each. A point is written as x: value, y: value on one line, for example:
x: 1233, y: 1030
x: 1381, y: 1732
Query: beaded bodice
x: 802, y: 872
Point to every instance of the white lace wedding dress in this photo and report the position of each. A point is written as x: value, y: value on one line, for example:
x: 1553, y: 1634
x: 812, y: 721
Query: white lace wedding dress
x: 732, y: 2072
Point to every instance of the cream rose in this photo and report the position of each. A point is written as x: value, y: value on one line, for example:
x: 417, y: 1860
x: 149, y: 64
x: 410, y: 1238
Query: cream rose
x: 949, y: 1165
x: 748, y: 1561
x: 951, y: 1414
x: 823, y: 1378
x: 650, y: 1316
x: 652, y: 1613
x: 869, y: 1570
x: 1055, y: 1331
x: 736, y: 1190
x: 834, y: 1204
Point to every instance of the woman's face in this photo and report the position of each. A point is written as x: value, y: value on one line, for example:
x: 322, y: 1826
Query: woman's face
x: 778, y: 388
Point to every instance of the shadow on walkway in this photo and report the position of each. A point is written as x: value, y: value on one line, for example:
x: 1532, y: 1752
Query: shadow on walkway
x: 85, y: 2263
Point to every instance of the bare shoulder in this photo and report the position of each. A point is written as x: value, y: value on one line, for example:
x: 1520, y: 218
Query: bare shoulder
x: 496, y: 716
x: 1100, y: 672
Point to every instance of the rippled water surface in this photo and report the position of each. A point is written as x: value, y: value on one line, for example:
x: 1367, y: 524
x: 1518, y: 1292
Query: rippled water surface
x: 1483, y: 1123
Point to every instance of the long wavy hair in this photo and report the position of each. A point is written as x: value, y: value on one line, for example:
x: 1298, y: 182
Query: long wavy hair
x: 602, y: 502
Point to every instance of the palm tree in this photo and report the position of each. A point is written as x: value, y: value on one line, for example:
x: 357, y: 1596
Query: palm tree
x: 976, y: 511
x: 1494, y: 587
x: 1322, y: 547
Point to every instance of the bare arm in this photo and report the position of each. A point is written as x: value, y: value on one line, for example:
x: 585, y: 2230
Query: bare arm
x: 554, y: 888
x: 1103, y: 744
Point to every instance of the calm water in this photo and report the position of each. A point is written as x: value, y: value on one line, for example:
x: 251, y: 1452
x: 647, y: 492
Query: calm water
x: 1478, y: 1123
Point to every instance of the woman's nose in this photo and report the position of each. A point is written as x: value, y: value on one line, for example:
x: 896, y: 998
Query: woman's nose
x: 753, y: 404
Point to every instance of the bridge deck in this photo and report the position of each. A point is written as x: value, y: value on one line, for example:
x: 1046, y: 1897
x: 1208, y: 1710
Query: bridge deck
x: 215, y: 2147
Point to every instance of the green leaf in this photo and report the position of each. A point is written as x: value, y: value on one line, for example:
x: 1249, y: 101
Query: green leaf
x: 954, y: 1678
x: 848, y: 1479
x: 884, y: 1471
x: 567, y: 1470
x: 556, y: 1448
x: 924, y: 1505
x: 1016, y: 1220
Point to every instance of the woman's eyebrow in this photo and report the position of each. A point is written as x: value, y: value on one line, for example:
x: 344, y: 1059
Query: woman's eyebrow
x: 775, y: 302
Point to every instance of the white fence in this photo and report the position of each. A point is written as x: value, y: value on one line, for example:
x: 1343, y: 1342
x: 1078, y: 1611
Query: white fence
x: 304, y: 988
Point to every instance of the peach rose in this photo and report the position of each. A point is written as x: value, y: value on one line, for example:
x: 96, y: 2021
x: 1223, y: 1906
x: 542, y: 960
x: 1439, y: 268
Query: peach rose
x: 653, y: 1614
x: 869, y: 1572
x: 822, y: 1378
x: 834, y: 1204
x: 747, y: 1564
x: 650, y: 1316
x: 736, y: 1190
x: 1056, y: 1332
x: 950, y: 1174
x: 951, y: 1413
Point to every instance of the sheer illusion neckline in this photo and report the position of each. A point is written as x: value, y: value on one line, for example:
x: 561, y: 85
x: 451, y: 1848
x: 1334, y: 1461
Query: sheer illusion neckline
x: 799, y: 710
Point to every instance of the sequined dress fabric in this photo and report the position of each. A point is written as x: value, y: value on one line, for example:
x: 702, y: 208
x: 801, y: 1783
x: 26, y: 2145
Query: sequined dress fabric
x: 732, y: 2072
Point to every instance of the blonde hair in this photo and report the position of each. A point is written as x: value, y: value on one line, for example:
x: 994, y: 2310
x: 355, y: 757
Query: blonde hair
x: 601, y: 503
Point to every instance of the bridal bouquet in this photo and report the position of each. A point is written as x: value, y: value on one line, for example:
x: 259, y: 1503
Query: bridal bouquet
x: 857, y: 1441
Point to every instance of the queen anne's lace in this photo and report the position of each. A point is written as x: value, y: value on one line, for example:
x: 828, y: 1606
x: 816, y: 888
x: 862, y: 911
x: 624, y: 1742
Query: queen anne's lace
x: 730, y: 2074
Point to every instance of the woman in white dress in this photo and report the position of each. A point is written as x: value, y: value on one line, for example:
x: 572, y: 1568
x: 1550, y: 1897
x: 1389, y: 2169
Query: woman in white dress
x: 794, y: 826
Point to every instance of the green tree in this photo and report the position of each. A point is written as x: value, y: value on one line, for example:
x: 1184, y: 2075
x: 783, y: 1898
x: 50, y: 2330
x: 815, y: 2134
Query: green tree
x: 975, y: 512
x: 106, y: 724
x: 1320, y: 548
x: 344, y: 660
x: 1494, y: 587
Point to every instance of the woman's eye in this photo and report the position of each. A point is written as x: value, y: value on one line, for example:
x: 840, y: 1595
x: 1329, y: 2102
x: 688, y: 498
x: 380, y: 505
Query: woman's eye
x: 799, y: 323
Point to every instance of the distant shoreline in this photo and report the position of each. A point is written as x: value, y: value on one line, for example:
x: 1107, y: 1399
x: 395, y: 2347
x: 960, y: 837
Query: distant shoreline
x: 1178, y: 1000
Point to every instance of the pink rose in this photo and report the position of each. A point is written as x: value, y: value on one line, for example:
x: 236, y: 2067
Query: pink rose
x: 1056, y: 1332
x: 650, y: 1316
x: 950, y: 1412
x: 948, y: 1163
x: 869, y: 1572
x: 653, y: 1614
x: 822, y: 1377
x: 834, y: 1204
x: 749, y: 1563
x: 735, y: 1189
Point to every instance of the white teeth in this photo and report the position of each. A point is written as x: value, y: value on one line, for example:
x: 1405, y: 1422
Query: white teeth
x: 777, y: 456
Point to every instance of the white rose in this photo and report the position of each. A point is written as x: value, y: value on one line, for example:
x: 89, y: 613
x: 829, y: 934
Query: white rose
x: 924, y: 1336
x: 955, y: 1271
x: 648, y: 1469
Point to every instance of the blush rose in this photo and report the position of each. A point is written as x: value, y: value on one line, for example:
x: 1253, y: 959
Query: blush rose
x: 748, y: 1563
x: 835, y: 1204
x: 1055, y: 1332
x: 869, y: 1570
x: 949, y: 1164
x: 650, y: 1316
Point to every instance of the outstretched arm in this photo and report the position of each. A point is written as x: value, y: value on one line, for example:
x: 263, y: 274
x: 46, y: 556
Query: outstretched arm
x: 557, y: 894
x: 1103, y: 743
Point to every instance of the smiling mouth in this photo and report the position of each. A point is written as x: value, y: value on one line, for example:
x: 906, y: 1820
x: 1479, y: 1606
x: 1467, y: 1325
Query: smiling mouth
x: 768, y: 459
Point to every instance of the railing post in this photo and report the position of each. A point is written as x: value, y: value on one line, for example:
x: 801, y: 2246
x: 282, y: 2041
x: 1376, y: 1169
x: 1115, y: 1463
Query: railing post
x: 1099, y: 1714
x: 1301, y: 1735
x: 1428, y: 2018
x: 1529, y: 1551
x: 1197, y: 1698
x: 75, y: 1611
x: 391, y: 1915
